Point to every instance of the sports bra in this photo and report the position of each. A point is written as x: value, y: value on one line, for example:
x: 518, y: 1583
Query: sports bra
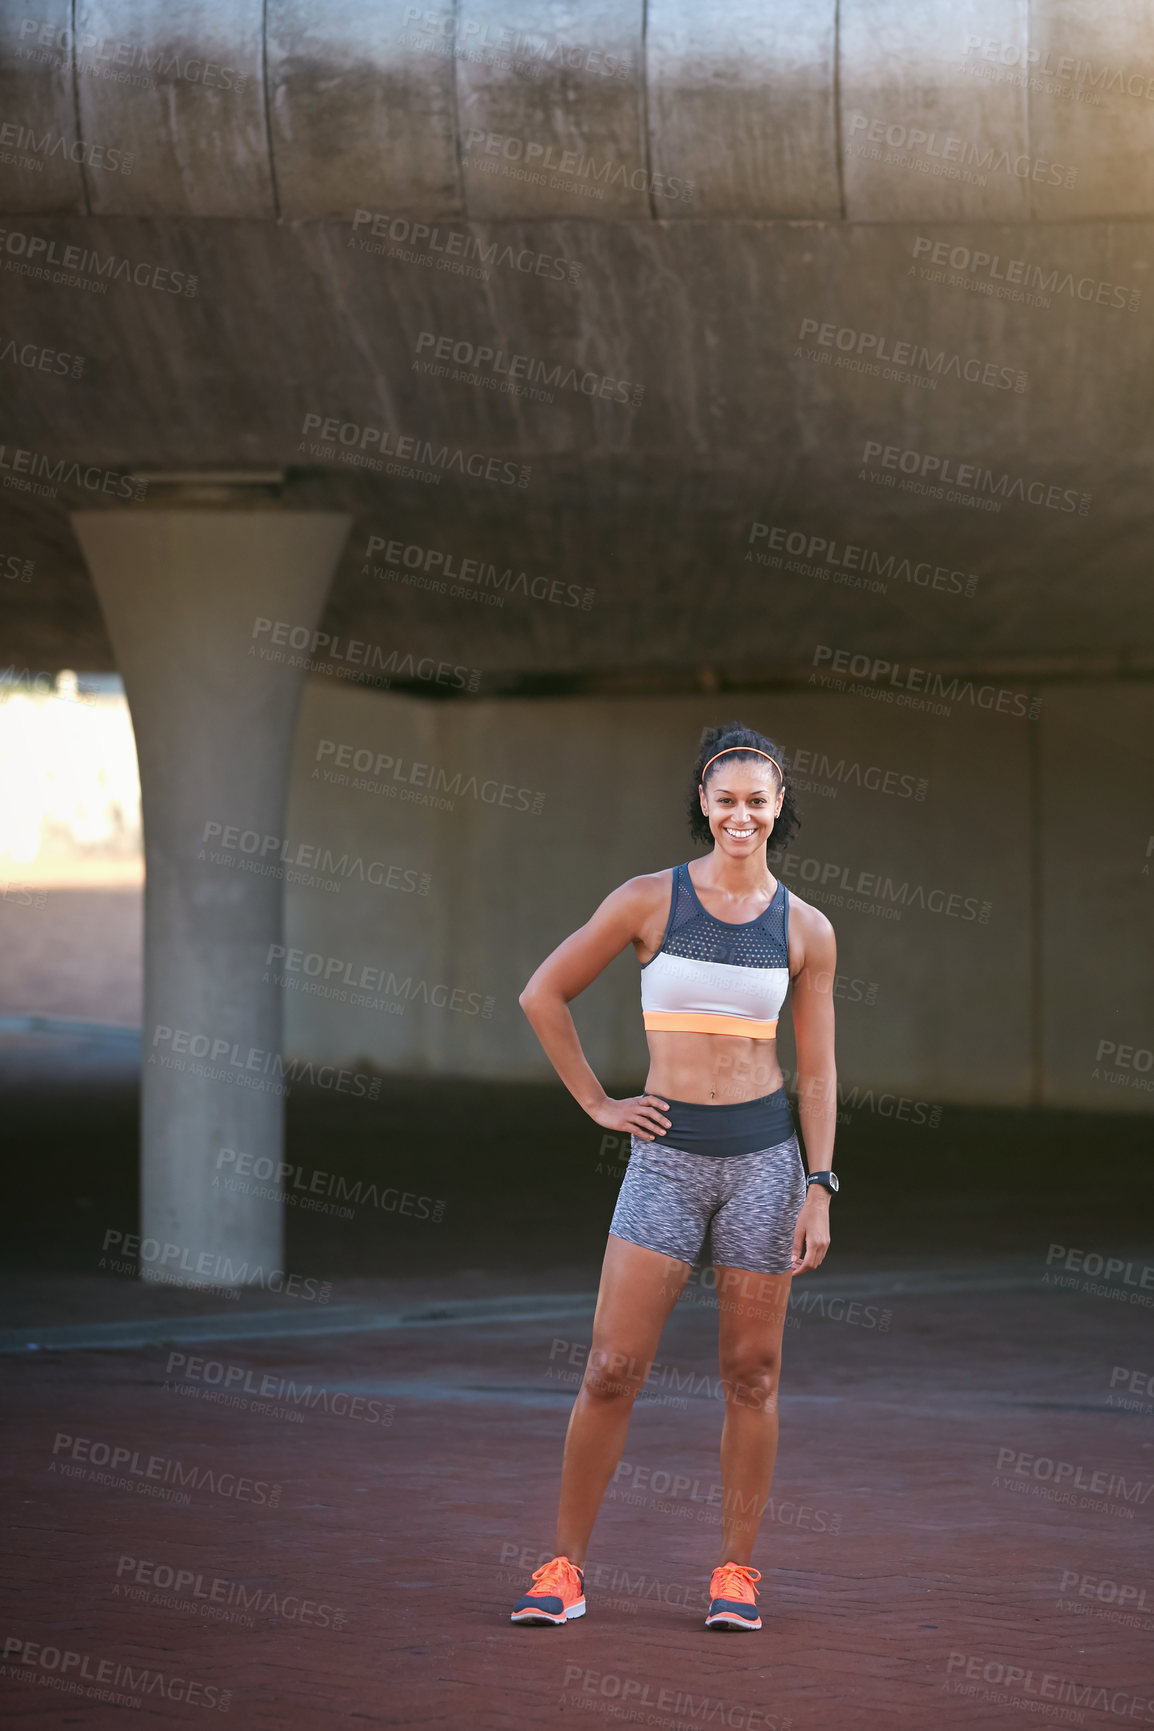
x: 711, y: 977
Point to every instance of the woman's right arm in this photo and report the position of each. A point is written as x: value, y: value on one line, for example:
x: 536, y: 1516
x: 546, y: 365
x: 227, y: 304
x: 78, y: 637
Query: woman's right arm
x: 623, y: 916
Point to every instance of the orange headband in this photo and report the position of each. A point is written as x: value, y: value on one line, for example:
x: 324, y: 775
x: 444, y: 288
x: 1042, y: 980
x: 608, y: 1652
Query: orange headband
x: 750, y: 750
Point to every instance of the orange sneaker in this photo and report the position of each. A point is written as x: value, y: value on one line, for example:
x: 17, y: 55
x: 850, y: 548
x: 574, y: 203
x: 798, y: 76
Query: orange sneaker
x: 558, y: 1594
x: 733, y: 1598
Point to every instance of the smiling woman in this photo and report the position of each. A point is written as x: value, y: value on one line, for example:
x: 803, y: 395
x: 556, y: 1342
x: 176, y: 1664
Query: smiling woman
x: 720, y: 941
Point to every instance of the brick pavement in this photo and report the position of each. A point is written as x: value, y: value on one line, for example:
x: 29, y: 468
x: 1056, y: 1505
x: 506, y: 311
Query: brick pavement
x: 898, y: 1558
x: 894, y: 1563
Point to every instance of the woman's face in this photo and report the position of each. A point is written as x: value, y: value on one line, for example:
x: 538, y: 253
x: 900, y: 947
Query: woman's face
x: 741, y: 799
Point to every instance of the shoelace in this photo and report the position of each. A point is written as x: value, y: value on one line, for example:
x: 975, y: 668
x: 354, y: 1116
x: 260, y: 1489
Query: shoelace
x: 735, y: 1581
x: 553, y: 1576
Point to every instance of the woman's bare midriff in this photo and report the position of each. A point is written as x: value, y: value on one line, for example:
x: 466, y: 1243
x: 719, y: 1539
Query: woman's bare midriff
x: 711, y: 1069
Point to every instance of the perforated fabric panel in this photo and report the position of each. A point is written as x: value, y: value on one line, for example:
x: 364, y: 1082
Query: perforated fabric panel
x: 697, y: 934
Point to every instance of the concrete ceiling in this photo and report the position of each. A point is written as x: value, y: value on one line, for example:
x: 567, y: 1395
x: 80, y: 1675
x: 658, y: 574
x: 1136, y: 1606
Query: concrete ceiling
x: 726, y: 318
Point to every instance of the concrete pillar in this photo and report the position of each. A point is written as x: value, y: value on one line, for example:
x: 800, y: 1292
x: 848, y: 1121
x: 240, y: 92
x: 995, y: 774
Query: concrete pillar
x: 182, y: 592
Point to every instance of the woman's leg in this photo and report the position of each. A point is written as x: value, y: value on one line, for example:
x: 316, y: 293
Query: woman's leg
x: 752, y: 1310
x: 638, y: 1290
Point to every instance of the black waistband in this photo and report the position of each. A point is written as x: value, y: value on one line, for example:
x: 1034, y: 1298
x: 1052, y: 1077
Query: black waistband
x: 740, y: 1128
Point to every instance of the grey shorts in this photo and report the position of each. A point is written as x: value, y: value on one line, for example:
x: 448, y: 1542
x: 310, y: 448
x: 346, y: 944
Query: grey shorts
x: 750, y: 1203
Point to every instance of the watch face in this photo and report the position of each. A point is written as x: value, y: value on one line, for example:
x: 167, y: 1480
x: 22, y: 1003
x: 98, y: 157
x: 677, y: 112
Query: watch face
x: 833, y: 1183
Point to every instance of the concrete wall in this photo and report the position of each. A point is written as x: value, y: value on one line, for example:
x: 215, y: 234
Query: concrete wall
x: 1096, y: 835
x: 996, y: 996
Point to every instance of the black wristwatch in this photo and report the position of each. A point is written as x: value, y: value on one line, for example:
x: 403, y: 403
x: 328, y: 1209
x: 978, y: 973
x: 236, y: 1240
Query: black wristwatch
x: 827, y: 1180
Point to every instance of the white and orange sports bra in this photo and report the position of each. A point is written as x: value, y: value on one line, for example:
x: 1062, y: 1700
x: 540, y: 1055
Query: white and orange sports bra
x: 710, y: 977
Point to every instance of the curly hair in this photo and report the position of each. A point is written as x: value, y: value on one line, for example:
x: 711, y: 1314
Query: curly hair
x: 732, y: 734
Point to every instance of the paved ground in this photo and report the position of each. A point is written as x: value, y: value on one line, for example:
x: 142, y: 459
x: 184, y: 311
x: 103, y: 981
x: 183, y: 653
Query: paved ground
x: 323, y: 1511
x: 73, y: 949
x: 916, y: 1538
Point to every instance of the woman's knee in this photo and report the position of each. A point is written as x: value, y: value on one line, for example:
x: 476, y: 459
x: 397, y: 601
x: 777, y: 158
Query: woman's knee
x: 614, y: 1373
x: 750, y: 1375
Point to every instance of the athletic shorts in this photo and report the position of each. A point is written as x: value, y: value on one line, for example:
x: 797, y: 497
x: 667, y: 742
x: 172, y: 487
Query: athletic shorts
x: 749, y: 1202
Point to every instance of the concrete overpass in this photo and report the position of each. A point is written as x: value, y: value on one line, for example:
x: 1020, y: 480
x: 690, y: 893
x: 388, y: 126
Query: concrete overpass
x: 652, y: 361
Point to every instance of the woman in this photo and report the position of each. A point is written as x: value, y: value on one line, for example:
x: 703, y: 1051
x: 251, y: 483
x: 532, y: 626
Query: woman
x: 719, y: 941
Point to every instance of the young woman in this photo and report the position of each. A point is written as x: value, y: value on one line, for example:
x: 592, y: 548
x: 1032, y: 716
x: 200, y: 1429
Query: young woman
x: 712, y: 1145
